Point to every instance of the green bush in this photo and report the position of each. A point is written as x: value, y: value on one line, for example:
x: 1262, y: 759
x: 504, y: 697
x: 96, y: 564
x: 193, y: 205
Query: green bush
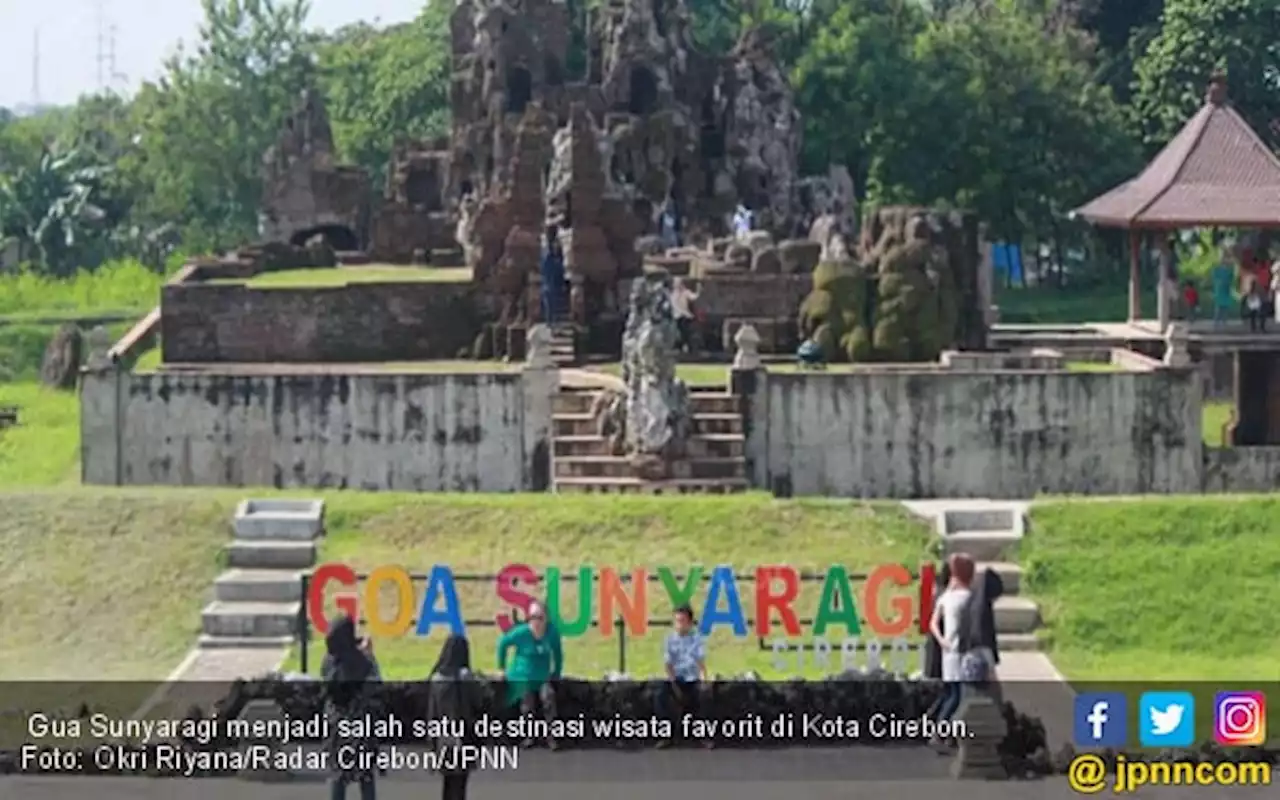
x: 122, y: 287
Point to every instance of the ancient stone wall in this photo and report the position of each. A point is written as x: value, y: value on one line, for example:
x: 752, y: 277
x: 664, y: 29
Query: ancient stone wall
x: 897, y: 434
x: 373, y: 431
x: 203, y: 323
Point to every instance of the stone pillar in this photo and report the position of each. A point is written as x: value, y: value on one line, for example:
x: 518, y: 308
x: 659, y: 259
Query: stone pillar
x: 1165, y: 293
x: 978, y: 755
x: 540, y: 380
x: 262, y: 711
x: 1176, y: 353
x: 986, y: 282
x: 747, y: 381
x: 102, y: 382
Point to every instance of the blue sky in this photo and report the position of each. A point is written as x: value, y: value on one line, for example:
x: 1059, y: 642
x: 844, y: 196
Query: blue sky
x: 147, y: 31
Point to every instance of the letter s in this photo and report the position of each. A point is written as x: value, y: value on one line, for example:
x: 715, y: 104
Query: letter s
x: 508, y: 577
x: 315, y: 594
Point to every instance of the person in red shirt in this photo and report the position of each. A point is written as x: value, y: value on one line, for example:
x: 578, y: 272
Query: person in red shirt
x: 1190, y: 298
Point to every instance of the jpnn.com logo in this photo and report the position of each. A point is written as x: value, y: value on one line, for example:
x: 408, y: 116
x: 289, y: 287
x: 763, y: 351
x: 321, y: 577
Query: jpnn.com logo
x: 887, y: 601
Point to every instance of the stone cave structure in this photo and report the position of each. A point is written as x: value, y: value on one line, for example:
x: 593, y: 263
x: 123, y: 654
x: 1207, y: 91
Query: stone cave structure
x: 650, y: 124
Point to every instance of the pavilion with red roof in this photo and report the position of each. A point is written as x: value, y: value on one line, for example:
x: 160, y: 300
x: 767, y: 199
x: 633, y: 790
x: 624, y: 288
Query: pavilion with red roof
x: 1217, y: 172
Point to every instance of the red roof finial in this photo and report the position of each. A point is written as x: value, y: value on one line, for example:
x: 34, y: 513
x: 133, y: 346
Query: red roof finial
x: 1217, y: 93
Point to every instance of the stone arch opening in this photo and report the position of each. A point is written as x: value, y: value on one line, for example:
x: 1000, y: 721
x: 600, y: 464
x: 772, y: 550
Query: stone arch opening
x: 519, y: 89
x: 341, y: 238
x: 643, y: 97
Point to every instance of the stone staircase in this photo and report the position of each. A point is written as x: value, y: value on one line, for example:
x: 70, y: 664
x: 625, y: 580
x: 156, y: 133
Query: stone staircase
x: 257, y: 601
x: 564, y: 349
x: 990, y: 533
x: 581, y: 461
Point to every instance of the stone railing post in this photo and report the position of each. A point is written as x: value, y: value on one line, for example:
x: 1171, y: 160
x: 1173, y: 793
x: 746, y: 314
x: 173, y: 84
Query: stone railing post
x: 1176, y: 353
x: 978, y: 754
x: 748, y: 343
x: 102, y: 382
x: 747, y: 382
x: 540, y: 381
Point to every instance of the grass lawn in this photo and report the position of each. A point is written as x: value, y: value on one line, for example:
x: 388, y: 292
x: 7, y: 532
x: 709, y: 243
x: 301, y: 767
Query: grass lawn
x: 43, y: 449
x: 479, y: 534
x: 1163, y: 589
x: 341, y: 276
x: 1215, y: 416
x: 1050, y: 305
x: 105, y: 584
x: 1091, y: 366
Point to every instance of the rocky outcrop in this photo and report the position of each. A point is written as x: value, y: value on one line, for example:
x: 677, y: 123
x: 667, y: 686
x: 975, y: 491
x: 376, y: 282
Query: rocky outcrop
x: 62, y: 358
x: 909, y: 292
x: 658, y: 416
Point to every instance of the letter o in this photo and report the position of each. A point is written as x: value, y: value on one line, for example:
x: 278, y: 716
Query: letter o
x: 373, y: 607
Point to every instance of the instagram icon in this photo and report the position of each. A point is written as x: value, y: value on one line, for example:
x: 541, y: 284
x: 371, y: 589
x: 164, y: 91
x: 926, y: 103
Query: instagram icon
x: 1240, y: 719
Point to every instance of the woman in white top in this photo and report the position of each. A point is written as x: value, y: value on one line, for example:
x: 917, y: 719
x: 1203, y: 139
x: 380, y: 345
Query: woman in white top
x: 682, y: 298
x: 947, y: 627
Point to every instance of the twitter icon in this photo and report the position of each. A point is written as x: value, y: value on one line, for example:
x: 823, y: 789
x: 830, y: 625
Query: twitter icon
x: 1167, y: 719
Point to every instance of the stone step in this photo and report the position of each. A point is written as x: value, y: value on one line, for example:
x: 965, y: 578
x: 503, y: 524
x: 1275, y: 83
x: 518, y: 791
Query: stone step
x: 723, y: 445
x: 637, y: 486
x: 259, y: 585
x: 605, y: 466
x: 584, y: 424
x: 1010, y: 574
x: 702, y: 402
x: 208, y: 642
x: 294, y: 520
x: 983, y: 545
x: 1016, y: 615
x: 1018, y: 642
x: 250, y: 620
x: 269, y: 554
x: 966, y: 520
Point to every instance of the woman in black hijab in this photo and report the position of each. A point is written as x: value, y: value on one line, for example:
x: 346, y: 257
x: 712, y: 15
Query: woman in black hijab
x: 348, y: 670
x: 979, y: 643
x: 454, y: 704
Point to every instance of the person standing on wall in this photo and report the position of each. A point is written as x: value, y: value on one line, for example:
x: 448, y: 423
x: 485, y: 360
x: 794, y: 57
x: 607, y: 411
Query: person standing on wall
x: 553, y: 278
x: 537, y: 663
x: 348, y: 671
x: 455, y: 700
x: 684, y: 654
x: 682, y: 300
x: 946, y: 627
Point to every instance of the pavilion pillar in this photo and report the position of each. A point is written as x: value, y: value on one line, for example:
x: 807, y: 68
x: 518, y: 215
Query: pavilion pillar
x: 1135, y: 258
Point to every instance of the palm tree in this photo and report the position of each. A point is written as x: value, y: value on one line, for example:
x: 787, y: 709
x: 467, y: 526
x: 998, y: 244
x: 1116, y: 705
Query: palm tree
x: 51, y: 208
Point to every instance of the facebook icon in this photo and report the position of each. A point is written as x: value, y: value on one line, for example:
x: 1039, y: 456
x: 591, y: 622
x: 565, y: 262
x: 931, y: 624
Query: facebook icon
x: 1100, y: 719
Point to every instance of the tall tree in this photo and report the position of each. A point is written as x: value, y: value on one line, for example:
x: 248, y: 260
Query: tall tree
x: 385, y: 85
x: 1196, y: 37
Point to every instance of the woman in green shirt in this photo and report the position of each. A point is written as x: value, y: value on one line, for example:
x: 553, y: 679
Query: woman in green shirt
x: 538, y: 661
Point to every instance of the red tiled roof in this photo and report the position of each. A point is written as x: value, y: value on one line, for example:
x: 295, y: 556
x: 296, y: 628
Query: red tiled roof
x: 1216, y: 171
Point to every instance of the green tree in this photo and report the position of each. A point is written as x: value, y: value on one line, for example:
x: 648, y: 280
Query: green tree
x: 205, y: 125
x: 52, y: 209
x: 1196, y: 37
x: 386, y: 85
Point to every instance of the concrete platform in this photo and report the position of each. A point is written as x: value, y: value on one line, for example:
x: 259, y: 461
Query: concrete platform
x: 259, y: 586
x: 250, y: 619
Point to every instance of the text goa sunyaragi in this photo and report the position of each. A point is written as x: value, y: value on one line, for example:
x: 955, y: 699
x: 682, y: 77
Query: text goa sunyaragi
x: 891, y: 604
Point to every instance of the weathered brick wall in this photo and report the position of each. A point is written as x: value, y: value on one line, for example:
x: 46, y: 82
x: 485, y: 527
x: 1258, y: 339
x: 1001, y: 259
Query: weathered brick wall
x: 202, y: 323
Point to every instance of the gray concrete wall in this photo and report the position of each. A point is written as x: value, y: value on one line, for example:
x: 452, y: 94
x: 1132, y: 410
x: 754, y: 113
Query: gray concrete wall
x: 416, y: 432
x: 1241, y: 469
x: 894, y: 434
